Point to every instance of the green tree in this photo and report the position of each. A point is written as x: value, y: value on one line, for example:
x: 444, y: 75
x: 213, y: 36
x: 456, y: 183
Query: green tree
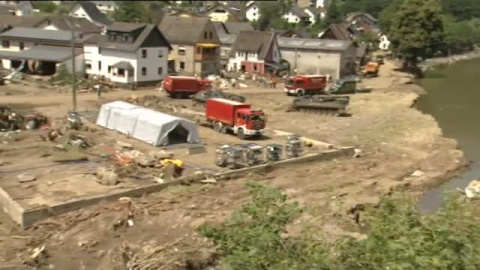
x: 462, y: 9
x: 131, y: 11
x: 400, y: 238
x: 475, y: 26
x: 417, y: 30
x: 252, y: 237
x: 333, y: 14
x: 459, y: 36
x: 45, y: 6
x: 386, y: 15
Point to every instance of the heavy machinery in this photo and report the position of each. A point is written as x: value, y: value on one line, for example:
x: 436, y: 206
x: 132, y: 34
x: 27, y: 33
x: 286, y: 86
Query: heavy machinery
x: 346, y: 85
x: 10, y: 120
x: 322, y: 104
x: 200, y: 98
x: 371, y: 69
x: 221, y: 155
x: 294, y: 146
x: 274, y: 152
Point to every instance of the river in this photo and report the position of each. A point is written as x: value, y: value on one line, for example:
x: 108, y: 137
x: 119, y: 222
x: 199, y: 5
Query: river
x: 453, y: 98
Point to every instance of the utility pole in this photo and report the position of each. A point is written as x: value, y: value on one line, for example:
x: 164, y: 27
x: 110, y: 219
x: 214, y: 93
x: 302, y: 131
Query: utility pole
x: 74, y: 86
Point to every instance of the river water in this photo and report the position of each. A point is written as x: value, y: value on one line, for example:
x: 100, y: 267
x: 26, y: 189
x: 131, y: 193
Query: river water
x: 453, y: 98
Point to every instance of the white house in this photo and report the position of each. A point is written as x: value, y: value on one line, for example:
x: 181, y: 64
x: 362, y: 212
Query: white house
x: 219, y: 15
x: 252, y: 12
x: 89, y: 11
x: 384, y: 44
x: 106, y: 6
x: 254, y: 51
x: 17, y: 8
x: 129, y: 53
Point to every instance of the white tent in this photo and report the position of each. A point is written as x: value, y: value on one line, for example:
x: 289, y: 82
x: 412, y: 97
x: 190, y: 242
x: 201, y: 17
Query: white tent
x: 150, y: 126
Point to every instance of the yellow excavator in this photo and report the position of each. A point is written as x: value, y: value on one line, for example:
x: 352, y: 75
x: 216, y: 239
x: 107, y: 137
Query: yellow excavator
x: 371, y: 69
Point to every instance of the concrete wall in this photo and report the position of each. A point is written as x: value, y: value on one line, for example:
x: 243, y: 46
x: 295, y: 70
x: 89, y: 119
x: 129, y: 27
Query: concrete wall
x: 28, y: 217
x: 79, y: 64
x: 314, y: 62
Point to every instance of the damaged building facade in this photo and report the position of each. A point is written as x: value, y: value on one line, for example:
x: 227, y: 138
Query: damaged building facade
x: 39, y: 51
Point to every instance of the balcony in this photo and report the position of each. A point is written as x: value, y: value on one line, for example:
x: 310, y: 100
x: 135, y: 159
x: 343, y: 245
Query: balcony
x: 206, y: 52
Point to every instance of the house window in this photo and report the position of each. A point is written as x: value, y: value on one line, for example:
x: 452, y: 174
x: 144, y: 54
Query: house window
x: 160, y: 53
x: 88, y: 66
x: 211, y: 35
x: 160, y: 71
x: 125, y: 38
x: 181, y: 51
x: 99, y: 50
x: 144, y: 53
x: 121, y: 72
x: 182, y: 65
x: 144, y: 71
x: 99, y: 65
x: 21, y: 45
x: 6, y: 44
x: 205, y: 35
x: 199, y: 50
x: 109, y: 69
x: 255, y: 67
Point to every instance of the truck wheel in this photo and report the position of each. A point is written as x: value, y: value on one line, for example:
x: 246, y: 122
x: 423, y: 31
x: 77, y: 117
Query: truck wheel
x: 217, y: 127
x: 241, y: 133
x: 31, y: 124
x: 300, y: 93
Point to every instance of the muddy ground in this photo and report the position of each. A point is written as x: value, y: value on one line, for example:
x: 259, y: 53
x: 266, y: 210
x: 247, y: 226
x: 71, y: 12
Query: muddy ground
x: 396, y: 140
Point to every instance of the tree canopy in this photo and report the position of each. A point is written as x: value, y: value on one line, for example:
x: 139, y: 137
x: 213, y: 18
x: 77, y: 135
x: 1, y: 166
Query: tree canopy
x: 417, y: 30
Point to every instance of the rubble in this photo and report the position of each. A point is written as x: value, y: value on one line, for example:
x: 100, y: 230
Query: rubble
x: 26, y: 177
x: 473, y: 189
x: 106, y: 176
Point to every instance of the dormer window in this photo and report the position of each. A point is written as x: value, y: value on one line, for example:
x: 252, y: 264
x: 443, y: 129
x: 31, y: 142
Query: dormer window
x: 125, y: 38
x: 112, y: 37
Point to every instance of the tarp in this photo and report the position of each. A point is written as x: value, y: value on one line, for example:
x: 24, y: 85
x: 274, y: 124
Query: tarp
x: 144, y: 124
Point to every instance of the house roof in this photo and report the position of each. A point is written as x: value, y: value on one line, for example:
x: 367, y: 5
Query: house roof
x: 21, y: 21
x: 103, y: 41
x: 35, y: 33
x: 253, y: 41
x: 236, y: 27
x: 125, y: 26
x: 183, y: 29
x: 340, y: 30
x: 63, y: 22
x: 220, y: 27
x: 351, y: 16
x: 227, y: 39
x: 299, y: 12
x: 93, y: 12
x: 123, y: 65
x: 106, y: 3
x: 293, y: 33
x: 42, y: 53
x: 314, y: 44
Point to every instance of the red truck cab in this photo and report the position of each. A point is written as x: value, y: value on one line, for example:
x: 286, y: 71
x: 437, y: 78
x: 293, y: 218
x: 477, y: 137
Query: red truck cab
x: 227, y: 115
x: 300, y: 85
x: 182, y: 86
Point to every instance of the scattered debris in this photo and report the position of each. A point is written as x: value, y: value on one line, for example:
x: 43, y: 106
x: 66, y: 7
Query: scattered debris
x: 473, y: 189
x: 208, y: 181
x: 357, y: 153
x: 417, y: 173
x: 106, y: 176
x: 26, y: 177
x: 125, y: 145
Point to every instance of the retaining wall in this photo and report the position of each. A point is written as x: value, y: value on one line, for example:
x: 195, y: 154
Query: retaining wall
x: 28, y: 217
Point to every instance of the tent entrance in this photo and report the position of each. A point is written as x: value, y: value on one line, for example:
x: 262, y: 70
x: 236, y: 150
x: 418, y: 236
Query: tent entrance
x: 178, y: 135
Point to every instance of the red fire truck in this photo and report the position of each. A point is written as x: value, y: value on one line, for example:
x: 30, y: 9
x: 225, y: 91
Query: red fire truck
x: 300, y: 85
x: 182, y: 86
x: 227, y: 115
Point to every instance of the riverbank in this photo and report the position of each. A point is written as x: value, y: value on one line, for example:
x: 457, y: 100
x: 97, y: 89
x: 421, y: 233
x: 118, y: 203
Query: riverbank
x: 432, y: 62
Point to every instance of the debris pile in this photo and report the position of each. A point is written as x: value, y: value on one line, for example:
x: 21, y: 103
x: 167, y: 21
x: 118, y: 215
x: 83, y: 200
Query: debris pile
x: 152, y: 102
x: 11, y: 120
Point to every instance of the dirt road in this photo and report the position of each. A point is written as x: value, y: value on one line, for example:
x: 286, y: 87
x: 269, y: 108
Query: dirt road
x: 401, y: 148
